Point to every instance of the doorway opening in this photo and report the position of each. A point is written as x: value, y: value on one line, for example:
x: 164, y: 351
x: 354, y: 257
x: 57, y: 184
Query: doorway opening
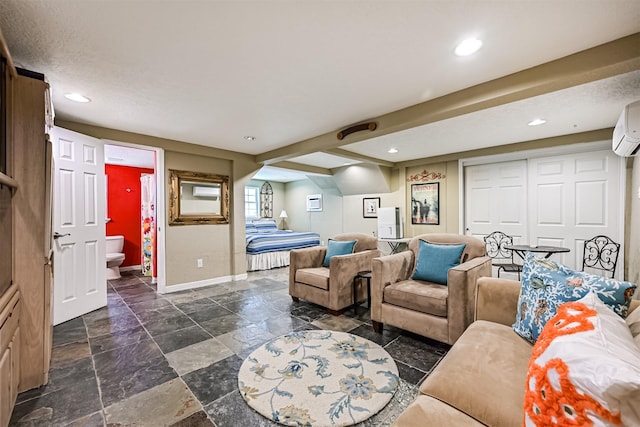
x: 135, y: 206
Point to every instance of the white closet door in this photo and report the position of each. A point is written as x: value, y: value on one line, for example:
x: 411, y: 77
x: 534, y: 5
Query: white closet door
x: 496, y: 195
x: 573, y: 198
x: 496, y: 199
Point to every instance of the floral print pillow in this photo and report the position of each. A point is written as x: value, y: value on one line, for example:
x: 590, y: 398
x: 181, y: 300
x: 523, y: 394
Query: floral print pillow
x: 547, y: 284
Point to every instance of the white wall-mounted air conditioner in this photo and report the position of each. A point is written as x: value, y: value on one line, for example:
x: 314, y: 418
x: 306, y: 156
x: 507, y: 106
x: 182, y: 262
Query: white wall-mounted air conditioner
x: 626, y: 134
x: 314, y: 203
x: 206, y: 191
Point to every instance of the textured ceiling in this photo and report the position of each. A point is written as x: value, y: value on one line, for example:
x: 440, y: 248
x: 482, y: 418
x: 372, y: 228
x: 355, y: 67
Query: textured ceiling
x: 212, y: 72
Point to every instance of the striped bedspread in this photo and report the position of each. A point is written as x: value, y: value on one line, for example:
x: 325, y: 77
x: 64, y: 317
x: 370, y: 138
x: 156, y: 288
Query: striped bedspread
x: 280, y: 240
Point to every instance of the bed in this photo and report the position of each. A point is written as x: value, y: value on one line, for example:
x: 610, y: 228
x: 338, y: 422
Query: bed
x: 268, y: 247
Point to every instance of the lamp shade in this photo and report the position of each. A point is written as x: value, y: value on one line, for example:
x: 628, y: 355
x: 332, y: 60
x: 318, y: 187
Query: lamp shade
x: 283, y: 214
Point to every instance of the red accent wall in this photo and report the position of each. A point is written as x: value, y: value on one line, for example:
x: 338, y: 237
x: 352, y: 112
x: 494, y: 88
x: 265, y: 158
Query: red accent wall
x: 123, y: 207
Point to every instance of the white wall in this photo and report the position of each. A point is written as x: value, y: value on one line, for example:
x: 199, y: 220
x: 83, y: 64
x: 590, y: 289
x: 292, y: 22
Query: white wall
x: 340, y: 214
x: 327, y: 223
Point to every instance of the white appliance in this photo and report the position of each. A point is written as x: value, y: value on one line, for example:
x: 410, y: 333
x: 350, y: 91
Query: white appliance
x: 626, y: 134
x: 390, y: 223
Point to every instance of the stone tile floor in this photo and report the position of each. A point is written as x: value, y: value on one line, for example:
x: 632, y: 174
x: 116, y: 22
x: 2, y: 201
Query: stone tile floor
x: 172, y: 359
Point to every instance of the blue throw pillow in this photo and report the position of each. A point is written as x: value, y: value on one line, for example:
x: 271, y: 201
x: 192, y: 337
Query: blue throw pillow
x: 434, y: 261
x: 338, y: 247
x: 546, y: 285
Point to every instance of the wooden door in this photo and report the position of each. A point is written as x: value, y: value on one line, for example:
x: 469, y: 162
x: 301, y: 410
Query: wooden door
x: 79, y: 269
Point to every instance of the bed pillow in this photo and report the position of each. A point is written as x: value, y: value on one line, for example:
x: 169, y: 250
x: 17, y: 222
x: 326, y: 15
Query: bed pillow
x: 584, y: 369
x: 338, y: 247
x: 265, y: 225
x: 434, y: 261
x: 547, y: 284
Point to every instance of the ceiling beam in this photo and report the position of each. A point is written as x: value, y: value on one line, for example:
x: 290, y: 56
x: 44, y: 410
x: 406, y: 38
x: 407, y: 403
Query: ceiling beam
x: 574, y: 138
x: 355, y: 156
x: 603, y: 61
x: 301, y: 167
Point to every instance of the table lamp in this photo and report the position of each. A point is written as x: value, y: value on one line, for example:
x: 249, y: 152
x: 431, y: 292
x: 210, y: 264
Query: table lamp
x: 284, y: 216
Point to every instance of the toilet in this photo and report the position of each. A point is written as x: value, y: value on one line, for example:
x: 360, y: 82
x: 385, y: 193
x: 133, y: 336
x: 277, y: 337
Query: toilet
x: 115, y: 256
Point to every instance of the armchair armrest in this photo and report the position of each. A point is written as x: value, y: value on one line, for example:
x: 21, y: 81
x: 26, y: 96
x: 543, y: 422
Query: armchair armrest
x: 342, y: 270
x: 497, y: 300
x: 461, y: 281
x: 385, y: 271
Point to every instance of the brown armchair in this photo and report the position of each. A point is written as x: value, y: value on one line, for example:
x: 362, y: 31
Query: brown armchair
x: 330, y: 287
x: 440, y: 312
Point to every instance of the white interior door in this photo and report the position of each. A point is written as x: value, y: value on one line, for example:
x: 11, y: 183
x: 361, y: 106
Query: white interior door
x: 79, y: 275
x: 574, y: 198
x: 495, y: 194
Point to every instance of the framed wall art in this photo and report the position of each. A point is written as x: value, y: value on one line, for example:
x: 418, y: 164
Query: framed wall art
x: 370, y: 207
x: 425, y: 203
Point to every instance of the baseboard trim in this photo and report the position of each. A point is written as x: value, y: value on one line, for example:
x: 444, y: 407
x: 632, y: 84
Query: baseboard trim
x: 202, y: 283
x: 242, y: 276
x: 131, y: 268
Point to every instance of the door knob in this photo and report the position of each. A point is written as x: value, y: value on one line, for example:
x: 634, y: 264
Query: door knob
x: 57, y: 235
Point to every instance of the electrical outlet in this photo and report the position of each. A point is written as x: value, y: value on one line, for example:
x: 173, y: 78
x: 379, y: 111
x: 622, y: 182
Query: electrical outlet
x: 200, y: 263
x: 321, y: 242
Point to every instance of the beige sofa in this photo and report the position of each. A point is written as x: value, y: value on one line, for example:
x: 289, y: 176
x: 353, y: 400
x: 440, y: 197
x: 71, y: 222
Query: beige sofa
x: 481, y: 381
x: 433, y: 310
x: 331, y: 287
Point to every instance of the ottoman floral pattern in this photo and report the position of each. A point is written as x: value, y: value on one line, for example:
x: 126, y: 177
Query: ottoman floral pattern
x: 318, y: 378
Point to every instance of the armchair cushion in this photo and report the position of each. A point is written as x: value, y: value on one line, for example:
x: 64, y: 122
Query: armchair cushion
x: 338, y: 247
x: 429, y: 298
x: 317, y: 277
x: 434, y: 261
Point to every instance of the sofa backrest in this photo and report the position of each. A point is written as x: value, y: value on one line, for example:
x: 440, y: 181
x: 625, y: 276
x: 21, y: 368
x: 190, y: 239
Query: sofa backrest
x: 363, y: 241
x: 475, y: 247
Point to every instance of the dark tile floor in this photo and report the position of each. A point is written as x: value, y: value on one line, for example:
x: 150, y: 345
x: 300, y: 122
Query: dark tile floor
x: 172, y: 359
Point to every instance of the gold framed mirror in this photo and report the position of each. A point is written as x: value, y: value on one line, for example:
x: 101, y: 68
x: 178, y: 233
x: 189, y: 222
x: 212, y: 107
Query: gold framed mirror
x: 198, y: 198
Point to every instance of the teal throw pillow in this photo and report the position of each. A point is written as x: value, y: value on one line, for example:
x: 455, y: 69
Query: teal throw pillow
x: 546, y: 285
x: 434, y: 261
x: 338, y: 247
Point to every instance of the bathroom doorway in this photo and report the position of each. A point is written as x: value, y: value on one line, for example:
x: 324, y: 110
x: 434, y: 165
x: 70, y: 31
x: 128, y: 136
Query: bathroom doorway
x: 135, y: 206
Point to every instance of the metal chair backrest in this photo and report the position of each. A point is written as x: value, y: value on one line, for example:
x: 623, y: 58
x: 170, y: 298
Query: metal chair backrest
x: 496, y: 243
x: 600, y: 253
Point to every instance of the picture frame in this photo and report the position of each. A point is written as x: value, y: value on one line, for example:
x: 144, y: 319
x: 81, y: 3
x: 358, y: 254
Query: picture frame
x: 370, y: 206
x: 425, y: 203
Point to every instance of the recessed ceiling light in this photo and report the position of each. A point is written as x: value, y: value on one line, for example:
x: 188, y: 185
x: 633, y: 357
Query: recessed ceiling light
x: 468, y: 46
x: 537, y: 122
x: 392, y: 150
x: 76, y: 97
x: 250, y: 138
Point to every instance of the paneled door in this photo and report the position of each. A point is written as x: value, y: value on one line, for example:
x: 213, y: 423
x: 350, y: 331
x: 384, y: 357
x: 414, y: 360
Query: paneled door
x: 574, y: 198
x: 496, y: 199
x: 496, y: 194
x: 79, y: 260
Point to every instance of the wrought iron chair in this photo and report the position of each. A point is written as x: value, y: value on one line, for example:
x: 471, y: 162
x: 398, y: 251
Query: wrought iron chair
x: 501, y: 257
x: 600, y: 253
